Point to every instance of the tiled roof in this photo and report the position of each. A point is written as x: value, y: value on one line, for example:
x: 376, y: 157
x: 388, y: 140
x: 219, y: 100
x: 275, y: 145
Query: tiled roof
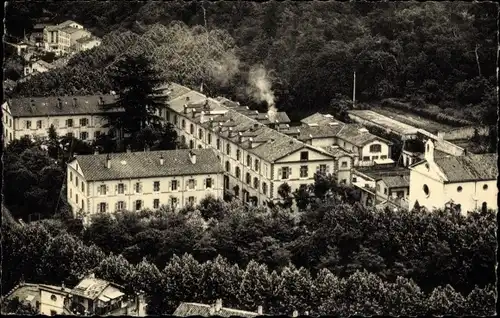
x: 49, y: 106
x: 384, y: 121
x: 352, y: 134
x: 269, y: 145
x: 147, y: 164
x: 66, y: 23
x: 195, y: 309
x: 70, y: 30
x: 469, y: 167
x: 90, y: 288
x: 321, y: 131
x: 319, y: 119
x: 377, y: 173
x: 338, y: 152
x: 401, y: 181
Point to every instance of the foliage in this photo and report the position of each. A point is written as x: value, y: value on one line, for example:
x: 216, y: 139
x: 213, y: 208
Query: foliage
x: 17, y: 307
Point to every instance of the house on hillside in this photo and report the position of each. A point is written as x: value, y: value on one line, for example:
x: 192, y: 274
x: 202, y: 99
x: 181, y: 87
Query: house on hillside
x: 92, y: 296
x: 470, y: 181
x: 107, y: 183
x: 62, y: 38
x: 77, y: 116
x: 36, y: 67
x: 86, y: 43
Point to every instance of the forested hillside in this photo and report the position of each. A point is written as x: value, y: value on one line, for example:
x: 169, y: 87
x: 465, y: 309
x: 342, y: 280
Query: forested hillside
x: 444, y: 52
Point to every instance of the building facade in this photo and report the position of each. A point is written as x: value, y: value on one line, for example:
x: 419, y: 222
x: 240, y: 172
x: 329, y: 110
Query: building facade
x: 468, y: 181
x: 142, y: 180
x: 78, y: 116
x: 62, y: 38
x: 256, y: 159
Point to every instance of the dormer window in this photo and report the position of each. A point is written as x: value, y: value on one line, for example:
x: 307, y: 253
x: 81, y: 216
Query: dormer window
x: 375, y: 148
x: 304, y: 156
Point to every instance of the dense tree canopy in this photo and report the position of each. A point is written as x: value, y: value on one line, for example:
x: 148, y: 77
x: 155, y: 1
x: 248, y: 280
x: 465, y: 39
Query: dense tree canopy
x: 442, y: 52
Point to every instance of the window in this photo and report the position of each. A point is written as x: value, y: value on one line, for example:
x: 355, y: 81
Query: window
x: 322, y: 169
x: 255, y: 183
x: 10, y: 122
x: 343, y: 181
x: 374, y: 157
x: 71, y: 176
x: 120, y: 188
x: 84, y: 135
x: 238, y: 154
x: 285, y: 172
x: 28, y: 124
x: 304, y: 155
x: 209, y: 139
x: 174, y: 185
x: 83, y: 186
x: 138, y: 187
x: 264, y: 187
x: 83, y: 205
x: 120, y: 205
x: 71, y: 193
x: 200, y: 133
x: 173, y: 202
x: 208, y: 183
x: 69, y: 135
x: 354, y: 179
x: 191, y: 184
x: 485, y: 187
x: 84, y: 122
x: 191, y: 144
x: 156, y: 186
x: 200, y: 147
x: 38, y: 124
x: 76, y: 198
x: 191, y: 129
x: 366, y: 158
x: 102, y: 207
x: 344, y: 164
x: 383, y: 157
x: 377, y: 187
x: 191, y: 200
x: 176, y: 120
x: 257, y: 164
x: 228, y: 149
x: 385, y: 190
x: 459, y: 189
x: 248, y: 178
x: 138, y: 205
x: 167, y: 116
x: 103, y: 189
x: 426, y: 190
x: 238, y: 173
x: 97, y: 134
x: 218, y: 144
x: 303, y: 171
x: 375, y: 148
x: 228, y: 166
x: 183, y: 124
x: 249, y: 160
x: 53, y: 312
x: 69, y: 122
x: 183, y: 139
x: 156, y: 203
x: 484, y: 207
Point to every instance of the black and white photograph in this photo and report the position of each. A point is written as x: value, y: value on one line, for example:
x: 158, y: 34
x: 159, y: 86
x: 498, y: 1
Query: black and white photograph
x: 246, y: 158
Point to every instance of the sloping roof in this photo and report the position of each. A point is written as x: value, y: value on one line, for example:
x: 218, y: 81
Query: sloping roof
x: 322, y: 131
x: 67, y: 23
x: 401, y: 181
x: 387, y: 122
x: 70, y: 30
x: 195, y: 309
x: 45, y: 64
x: 380, y: 172
x: 469, y: 167
x: 48, y: 106
x: 320, y: 119
x: 90, y: 287
x: 147, y: 164
x: 338, y: 152
x: 352, y: 133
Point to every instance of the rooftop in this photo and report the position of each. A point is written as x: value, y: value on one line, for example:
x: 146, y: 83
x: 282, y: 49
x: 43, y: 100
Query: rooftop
x: 321, y: 131
x: 320, y: 119
x: 49, y: 106
x: 400, y: 181
x: 67, y: 23
x: 338, y: 152
x: 196, y: 309
x: 381, y: 120
x: 357, y: 135
x: 70, y: 30
x: 147, y: 164
x: 381, y: 172
x: 469, y: 168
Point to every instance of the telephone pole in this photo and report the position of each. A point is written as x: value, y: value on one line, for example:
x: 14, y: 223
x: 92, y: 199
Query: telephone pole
x: 354, y: 90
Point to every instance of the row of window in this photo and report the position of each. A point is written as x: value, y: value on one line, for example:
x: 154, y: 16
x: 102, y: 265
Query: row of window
x: 69, y: 123
x: 367, y: 158
x: 8, y: 121
x: 173, y: 185
x: 139, y: 204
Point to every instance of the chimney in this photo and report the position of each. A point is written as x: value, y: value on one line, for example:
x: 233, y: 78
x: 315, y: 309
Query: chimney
x: 129, y: 149
x: 218, y: 305
x: 146, y: 148
x: 259, y: 310
x: 62, y: 286
x: 101, y: 100
x: 230, y: 133
x: 295, y: 313
x: 429, y: 151
x: 192, y: 156
x: 185, y: 108
x: 192, y: 112
x: 92, y: 275
x: 206, y: 106
x: 250, y: 143
x: 108, y: 163
x: 161, y: 159
x: 211, y: 122
x: 75, y: 102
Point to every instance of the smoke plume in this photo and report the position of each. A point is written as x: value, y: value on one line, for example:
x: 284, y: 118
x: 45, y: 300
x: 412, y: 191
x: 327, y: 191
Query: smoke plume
x: 222, y: 70
x: 260, y: 89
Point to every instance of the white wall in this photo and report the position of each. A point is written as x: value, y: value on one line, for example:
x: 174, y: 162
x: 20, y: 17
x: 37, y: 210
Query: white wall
x: 365, y: 151
x: 420, y: 176
x: 47, y: 304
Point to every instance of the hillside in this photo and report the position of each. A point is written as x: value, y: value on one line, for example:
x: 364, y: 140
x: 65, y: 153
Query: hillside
x: 443, y: 53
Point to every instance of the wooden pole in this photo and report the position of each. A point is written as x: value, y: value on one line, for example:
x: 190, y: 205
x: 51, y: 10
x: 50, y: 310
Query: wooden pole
x: 354, y: 90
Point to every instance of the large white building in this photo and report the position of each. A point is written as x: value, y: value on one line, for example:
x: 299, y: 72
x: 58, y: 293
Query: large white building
x: 104, y: 183
x: 257, y: 159
x: 469, y: 180
x: 77, y: 116
x: 63, y: 38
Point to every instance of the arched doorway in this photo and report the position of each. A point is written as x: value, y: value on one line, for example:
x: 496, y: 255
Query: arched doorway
x: 484, y: 207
